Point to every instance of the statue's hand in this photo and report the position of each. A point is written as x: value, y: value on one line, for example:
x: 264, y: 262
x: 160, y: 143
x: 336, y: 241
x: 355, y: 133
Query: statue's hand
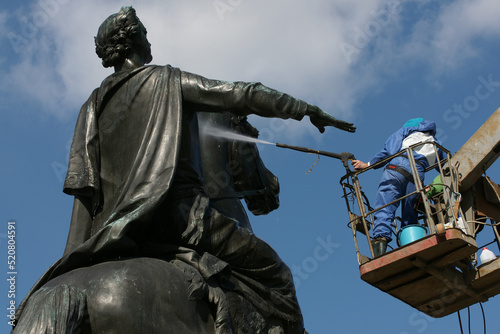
x: 320, y: 119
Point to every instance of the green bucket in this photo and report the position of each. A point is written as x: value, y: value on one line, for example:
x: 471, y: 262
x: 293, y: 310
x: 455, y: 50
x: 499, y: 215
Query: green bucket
x: 435, y: 187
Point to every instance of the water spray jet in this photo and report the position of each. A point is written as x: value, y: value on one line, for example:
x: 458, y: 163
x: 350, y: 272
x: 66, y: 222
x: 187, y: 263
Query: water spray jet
x: 215, y: 131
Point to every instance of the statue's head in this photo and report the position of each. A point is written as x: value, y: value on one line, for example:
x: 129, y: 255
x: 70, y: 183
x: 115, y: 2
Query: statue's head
x: 120, y: 35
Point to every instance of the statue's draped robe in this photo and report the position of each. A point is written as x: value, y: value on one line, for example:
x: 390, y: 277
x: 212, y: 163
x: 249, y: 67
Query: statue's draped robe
x: 124, y: 161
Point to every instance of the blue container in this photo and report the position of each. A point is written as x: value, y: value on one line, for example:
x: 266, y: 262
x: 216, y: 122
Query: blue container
x: 410, y: 233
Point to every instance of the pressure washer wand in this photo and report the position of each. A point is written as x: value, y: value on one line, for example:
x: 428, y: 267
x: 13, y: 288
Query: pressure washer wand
x: 344, y: 156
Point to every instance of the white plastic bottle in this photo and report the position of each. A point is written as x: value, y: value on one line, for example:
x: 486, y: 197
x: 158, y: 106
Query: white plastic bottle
x: 487, y: 256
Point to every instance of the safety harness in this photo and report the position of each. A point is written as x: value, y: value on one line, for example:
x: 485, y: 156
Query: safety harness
x: 403, y: 171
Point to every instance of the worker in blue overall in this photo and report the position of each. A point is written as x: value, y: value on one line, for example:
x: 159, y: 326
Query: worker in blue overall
x: 397, y: 179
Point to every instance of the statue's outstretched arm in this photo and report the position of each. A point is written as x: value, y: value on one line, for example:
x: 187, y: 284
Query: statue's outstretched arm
x: 244, y: 98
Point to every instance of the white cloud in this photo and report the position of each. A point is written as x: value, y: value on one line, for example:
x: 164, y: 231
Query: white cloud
x: 291, y: 45
x: 463, y: 22
x: 3, y: 23
x: 444, y: 36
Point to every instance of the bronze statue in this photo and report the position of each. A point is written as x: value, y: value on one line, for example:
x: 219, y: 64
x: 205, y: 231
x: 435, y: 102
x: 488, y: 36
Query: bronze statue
x: 145, y: 250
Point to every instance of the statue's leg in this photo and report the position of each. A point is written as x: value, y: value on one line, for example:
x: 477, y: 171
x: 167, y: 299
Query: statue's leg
x: 251, y: 257
x: 252, y: 260
x: 222, y: 236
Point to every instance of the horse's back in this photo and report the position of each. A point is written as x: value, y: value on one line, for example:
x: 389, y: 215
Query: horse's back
x: 141, y: 295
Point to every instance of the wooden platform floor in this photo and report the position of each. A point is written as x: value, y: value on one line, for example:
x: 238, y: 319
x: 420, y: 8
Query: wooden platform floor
x: 431, y: 275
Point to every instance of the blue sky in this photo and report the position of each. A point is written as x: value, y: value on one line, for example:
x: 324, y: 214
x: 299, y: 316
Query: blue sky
x: 374, y: 63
